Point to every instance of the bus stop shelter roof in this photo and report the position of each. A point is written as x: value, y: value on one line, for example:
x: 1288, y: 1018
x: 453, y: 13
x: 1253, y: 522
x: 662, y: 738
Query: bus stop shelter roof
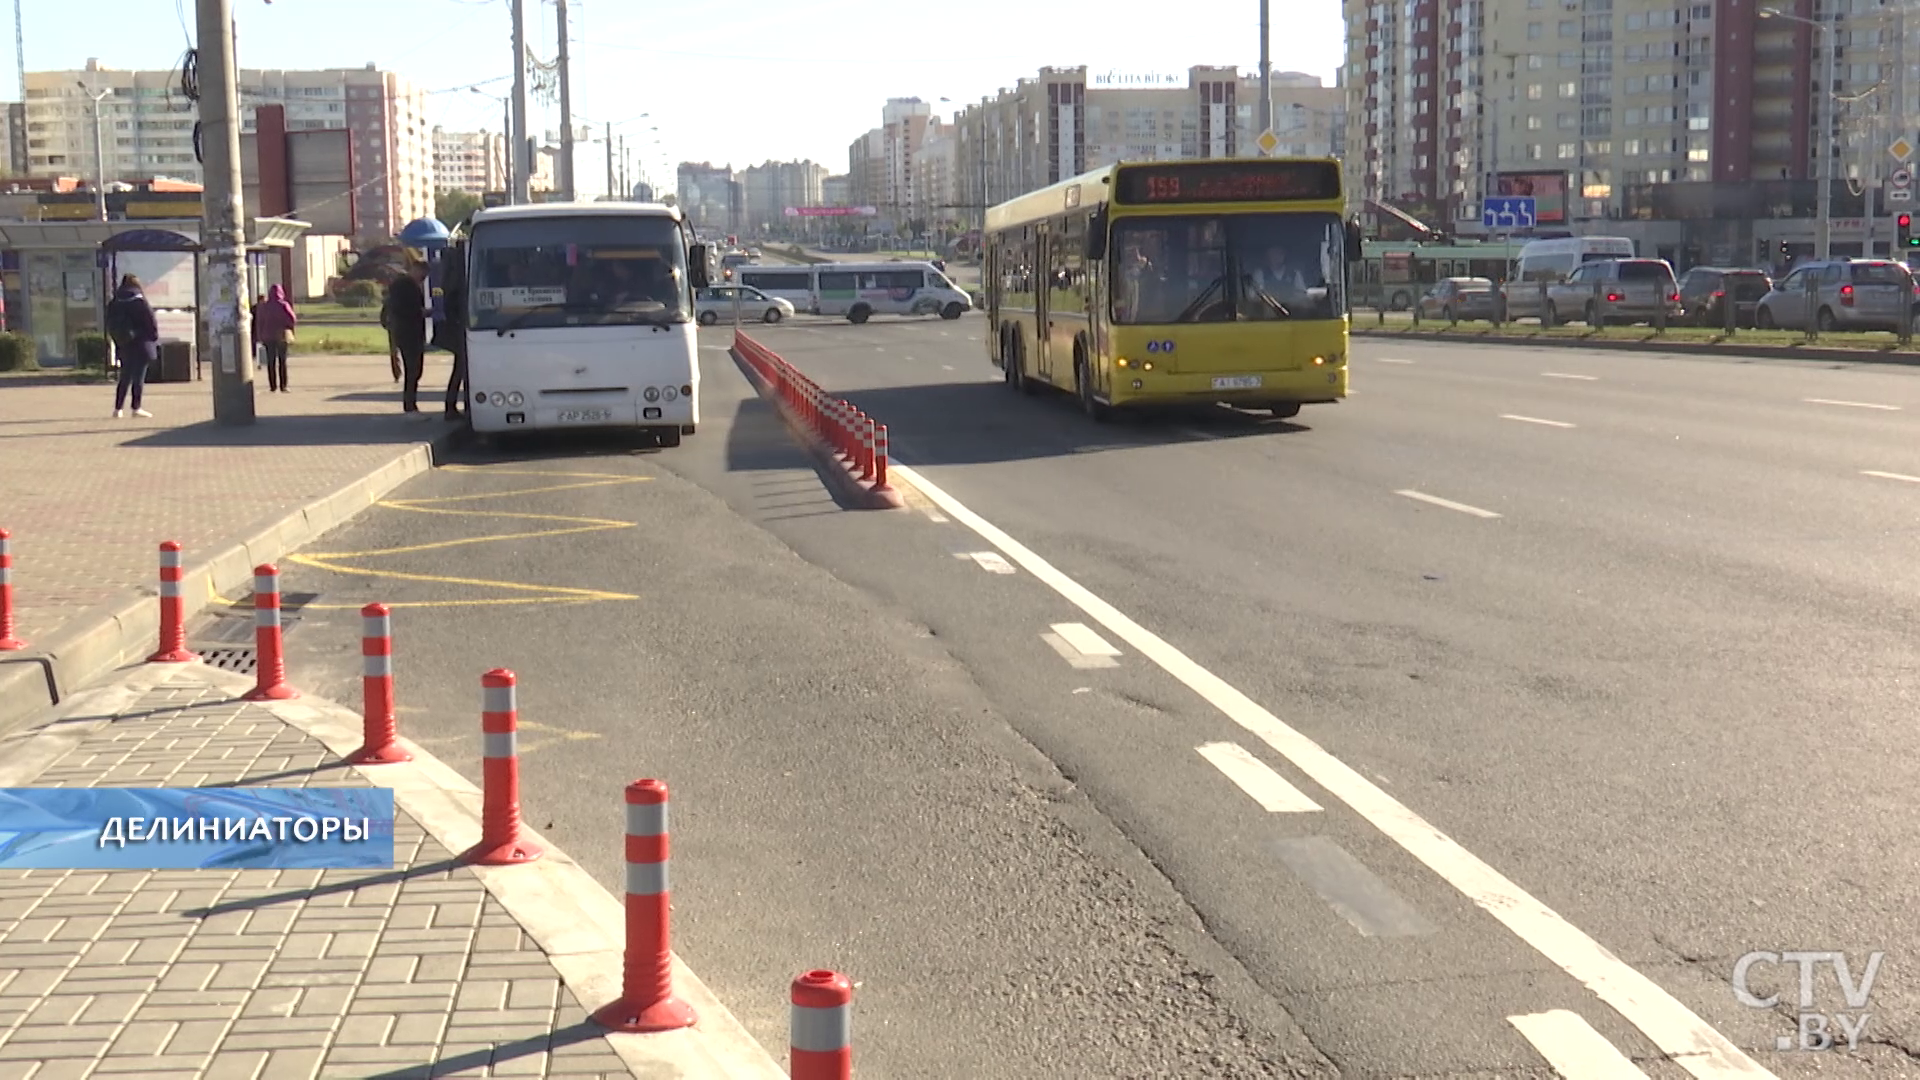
x: 262, y: 233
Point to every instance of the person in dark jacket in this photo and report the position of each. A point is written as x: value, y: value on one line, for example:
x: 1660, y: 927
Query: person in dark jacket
x: 136, y: 340
x: 453, y: 326
x: 405, y: 317
x: 273, y: 324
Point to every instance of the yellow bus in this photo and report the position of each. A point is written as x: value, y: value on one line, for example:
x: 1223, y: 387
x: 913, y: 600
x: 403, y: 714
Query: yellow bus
x: 1175, y: 282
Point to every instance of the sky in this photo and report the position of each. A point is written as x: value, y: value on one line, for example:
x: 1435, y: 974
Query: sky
x: 732, y: 83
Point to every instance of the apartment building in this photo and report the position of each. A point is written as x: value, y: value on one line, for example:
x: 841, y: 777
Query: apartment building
x: 836, y: 190
x: 937, y: 201
x: 147, y: 129
x: 471, y: 161
x: 867, y: 170
x: 1065, y: 121
x: 768, y: 189
x: 710, y: 196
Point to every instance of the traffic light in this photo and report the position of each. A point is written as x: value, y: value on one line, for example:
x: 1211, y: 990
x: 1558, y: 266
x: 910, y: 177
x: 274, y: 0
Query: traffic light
x: 1786, y: 250
x: 1904, y: 223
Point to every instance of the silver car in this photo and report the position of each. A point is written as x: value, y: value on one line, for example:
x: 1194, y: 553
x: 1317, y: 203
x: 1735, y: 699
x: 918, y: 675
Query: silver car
x: 1617, y: 290
x: 1840, y: 294
x: 714, y: 304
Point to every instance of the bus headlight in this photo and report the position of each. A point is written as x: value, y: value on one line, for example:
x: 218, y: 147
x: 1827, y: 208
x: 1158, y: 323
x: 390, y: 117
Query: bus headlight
x: 1122, y: 362
x: 669, y: 393
x: 515, y: 400
x: 687, y: 390
x: 1148, y: 366
x: 651, y: 393
x: 499, y: 400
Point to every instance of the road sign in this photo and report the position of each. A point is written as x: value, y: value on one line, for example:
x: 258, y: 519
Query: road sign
x: 1507, y: 212
x: 1266, y: 141
x: 1899, y: 194
x: 1900, y: 185
x: 1901, y: 149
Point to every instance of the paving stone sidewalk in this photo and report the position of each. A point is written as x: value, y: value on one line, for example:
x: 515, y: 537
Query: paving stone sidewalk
x: 265, y: 974
x: 89, y: 498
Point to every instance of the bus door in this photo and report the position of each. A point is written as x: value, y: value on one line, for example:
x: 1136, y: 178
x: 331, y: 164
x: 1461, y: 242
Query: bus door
x: 1043, y: 241
x: 992, y: 285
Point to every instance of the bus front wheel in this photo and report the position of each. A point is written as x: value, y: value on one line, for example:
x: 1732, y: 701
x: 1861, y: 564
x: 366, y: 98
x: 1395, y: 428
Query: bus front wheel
x: 1285, y: 412
x: 1083, y: 380
x: 668, y: 437
x: 952, y: 311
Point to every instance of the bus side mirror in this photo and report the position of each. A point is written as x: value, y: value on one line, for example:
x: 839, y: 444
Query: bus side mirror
x: 697, y: 263
x: 1097, y: 237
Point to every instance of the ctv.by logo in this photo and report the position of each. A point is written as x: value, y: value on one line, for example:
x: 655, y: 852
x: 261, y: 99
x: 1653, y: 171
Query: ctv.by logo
x: 1815, y: 1030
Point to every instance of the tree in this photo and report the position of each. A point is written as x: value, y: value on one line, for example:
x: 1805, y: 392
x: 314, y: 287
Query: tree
x: 454, y: 207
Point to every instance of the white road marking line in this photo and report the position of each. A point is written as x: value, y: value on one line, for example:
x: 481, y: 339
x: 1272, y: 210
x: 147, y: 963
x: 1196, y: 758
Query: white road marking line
x: 1448, y: 503
x: 1693, y: 1043
x: 1564, y: 375
x: 1851, y: 404
x: 1573, y: 1048
x: 1257, y: 779
x: 946, y: 367
x: 1890, y: 476
x: 1535, y: 420
x: 1074, y: 656
x: 988, y: 560
x: 1082, y: 637
x: 1391, y: 360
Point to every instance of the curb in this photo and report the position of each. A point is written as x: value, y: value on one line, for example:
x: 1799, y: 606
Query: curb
x: 103, y: 637
x: 1688, y: 348
x: 578, y: 924
x: 846, y: 485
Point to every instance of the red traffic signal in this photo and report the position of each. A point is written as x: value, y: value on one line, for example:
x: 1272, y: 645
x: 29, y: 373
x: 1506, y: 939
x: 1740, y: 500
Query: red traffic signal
x: 1904, y: 220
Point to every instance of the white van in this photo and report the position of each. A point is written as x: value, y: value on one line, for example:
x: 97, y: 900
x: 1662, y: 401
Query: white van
x: 860, y: 290
x: 1550, y: 262
x: 794, y: 284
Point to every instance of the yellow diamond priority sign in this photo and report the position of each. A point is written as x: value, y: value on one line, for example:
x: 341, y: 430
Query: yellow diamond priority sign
x: 1901, y: 149
x: 1267, y: 141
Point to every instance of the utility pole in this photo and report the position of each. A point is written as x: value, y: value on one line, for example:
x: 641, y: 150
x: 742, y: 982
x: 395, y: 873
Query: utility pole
x: 523, y: 168
x: 99, y: 152
x: 223, y: 233
x: 611, y: 193
x: 507, y: 156
x: 1266, y: 75
x: 625, y: 191
x: 20, y: 45
x: 566, y: 108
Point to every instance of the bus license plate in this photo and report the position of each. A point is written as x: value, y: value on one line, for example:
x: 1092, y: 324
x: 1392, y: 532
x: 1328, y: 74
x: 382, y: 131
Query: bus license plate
x: 585, y: 416
x: 1237, y: 382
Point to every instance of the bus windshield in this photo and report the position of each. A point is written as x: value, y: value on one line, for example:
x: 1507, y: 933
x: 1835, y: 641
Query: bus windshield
x: 599, y: 270
x: 1207, y: 268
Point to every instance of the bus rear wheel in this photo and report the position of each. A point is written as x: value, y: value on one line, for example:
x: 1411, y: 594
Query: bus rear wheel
x: 859, y: 314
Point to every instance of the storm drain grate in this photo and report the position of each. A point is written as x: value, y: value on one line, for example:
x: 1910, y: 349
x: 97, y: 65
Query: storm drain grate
x: 243, y: 661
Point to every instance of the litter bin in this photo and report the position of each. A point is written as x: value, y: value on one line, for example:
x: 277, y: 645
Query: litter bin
x: 175, y: 364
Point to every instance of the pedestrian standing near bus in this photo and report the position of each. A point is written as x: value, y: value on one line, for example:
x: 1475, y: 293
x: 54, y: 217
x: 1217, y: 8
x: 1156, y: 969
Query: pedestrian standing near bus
x: 136, y: 341
x: 273, y: 325
x: 405, y: 317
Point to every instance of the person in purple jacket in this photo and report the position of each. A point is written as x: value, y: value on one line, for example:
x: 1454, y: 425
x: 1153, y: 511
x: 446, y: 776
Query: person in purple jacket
x: 273, y: 323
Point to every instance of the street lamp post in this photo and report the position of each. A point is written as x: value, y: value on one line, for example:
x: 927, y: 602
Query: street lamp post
x: 1824, y: 241
x: 99, y: 152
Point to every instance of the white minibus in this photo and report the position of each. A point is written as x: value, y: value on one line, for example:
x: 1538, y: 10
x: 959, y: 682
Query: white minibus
x: 580, y: 315
x: 1549, y: 262
x: 859, y: 290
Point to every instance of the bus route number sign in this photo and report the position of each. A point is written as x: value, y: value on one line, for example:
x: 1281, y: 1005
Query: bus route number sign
x: 1228, y: 182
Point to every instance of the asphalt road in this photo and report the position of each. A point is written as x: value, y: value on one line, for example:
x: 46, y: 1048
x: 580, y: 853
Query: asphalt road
x: 847, y: 793
x: 1645, y: 666
x: 1666, y: 691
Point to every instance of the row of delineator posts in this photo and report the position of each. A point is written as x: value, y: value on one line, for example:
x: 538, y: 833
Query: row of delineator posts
x: 857, y: 442
x: 822, y: 1001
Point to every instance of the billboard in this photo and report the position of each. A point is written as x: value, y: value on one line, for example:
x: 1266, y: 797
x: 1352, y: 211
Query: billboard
x: 307, y: 175
x: 1548, y: 190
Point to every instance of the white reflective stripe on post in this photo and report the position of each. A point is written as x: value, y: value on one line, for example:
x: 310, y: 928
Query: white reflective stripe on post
x: 822, y: 1031
x: 646, y: 819
x: 266, y: 583
x: 646, y: 878
x: 6, y: 575
x: 497, y: 699
x: 168, y: 589
x: 499, y: 744
x: 6, y: 545
x: 169, y: 560
x: 376, y: 626
x: 378, y: 667
x: 266, y: 616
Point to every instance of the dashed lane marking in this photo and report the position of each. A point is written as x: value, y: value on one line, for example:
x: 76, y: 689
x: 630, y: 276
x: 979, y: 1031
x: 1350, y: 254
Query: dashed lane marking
x: 988, y: 560
x: 1573, y: 1048
x: 1083, y: 639
x: 1257, y: 779
x: 1391, y: 360
x: 1449, y: 504
x: 1357, y: 893
x: 1695, y: 1045
x: 1074, y: 656
x: 1890, y: 476
x: 1565, y: 375
x: 522, y: 592
x: 1535, y: 420
x: 1851, y: 404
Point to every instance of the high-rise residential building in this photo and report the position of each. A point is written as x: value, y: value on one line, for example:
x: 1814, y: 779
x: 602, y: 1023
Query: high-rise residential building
x: 903, y: 124
x: 767, y: 191
x: 148, y: 129
x: 471, y: 161
x: 935, y: 199
x: 710, y: 196
x: 1065, y: 121
x: 867, y: 170
x: 836, y: 190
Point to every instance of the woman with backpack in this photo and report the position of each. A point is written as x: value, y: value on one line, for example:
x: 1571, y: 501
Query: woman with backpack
x: 273, y: 324
x: 136, y: 341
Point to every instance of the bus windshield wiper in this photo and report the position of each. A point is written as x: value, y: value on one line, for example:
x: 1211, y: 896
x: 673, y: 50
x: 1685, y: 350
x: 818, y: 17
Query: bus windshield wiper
x: 551, y: 305
x: 1200, y: 302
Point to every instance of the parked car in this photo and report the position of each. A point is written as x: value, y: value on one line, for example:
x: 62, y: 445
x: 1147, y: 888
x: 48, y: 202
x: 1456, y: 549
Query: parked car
x: 1615, y: 291
x: 716, y: 303
x: 1847, y: 294
x: 1458, y: 298
x: 1704, y: 293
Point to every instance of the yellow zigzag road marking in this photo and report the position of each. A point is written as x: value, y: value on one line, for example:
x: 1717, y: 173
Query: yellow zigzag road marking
x: 540, y: 594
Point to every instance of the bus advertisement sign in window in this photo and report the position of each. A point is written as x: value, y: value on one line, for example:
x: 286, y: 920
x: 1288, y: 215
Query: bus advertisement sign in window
x: 1228, y: 182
